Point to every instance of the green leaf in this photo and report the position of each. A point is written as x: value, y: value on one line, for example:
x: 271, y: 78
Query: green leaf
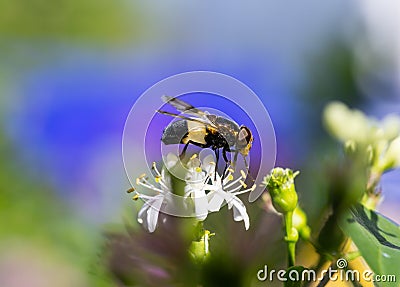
x: 292, y: 281
x: 377, y: 238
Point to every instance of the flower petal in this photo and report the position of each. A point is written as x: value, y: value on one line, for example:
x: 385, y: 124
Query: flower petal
x: 208, y: 164
x: 171, y: 160
x: 239, y: 212
x: 143, y: 213
x: 200, y: 204
x: 392, y: 157
x: 215, y: 201
x: 153, y: 211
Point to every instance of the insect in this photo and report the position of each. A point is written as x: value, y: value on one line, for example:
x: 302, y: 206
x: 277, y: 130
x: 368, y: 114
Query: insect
x: 206, y: 130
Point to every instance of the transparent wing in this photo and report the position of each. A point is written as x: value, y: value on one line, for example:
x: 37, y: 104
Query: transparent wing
x: 193, y: 113
x: 193, y: 119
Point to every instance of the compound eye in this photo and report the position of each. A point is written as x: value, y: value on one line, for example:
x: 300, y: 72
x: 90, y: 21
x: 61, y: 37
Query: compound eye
x: 244, y: 135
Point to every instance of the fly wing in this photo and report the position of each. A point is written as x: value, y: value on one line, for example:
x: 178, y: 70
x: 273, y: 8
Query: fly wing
x: 193, y: 113
x: 193, y: 119
x: 182, y: 106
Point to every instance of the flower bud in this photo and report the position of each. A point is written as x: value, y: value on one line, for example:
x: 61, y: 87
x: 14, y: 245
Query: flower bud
x: 280, y: 184
x: 199, y: 249
x: 300, y: 223
x: 293, y: 235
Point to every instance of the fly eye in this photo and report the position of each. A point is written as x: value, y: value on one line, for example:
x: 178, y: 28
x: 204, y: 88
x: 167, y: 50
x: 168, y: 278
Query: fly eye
x: 242, y: 138
x: 243, y: 134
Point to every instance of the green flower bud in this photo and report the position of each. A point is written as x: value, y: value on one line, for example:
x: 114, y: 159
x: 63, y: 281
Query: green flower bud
x: 300, y: 223
x: 293, y: 235
x: 280, y: 184
x: 199, y: 249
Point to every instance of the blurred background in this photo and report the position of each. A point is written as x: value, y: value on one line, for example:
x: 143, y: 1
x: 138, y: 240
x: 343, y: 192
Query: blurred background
x: 71, y: 70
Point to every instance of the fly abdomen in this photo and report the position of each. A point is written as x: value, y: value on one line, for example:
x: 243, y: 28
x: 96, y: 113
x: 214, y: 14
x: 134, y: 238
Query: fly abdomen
x: 183, y: 131
x: 175, y: 132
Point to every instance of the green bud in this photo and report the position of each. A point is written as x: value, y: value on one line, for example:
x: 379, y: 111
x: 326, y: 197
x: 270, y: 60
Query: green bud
x: 293, y: 235
x: 199, y: 249
x: 300, y: 223
x: 280, y: 184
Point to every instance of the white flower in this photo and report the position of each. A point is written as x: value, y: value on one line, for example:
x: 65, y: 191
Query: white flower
x: 227, y: 190
x: 346, y: 124
x: 148, y: 214
x: 392, y: 156
x: 209, y: 191
x: 390, y: 127
x: 353, y: 125
x: 379, y: 139
x: 206, y: 189
x: 196, y: 180
x: 197, y: 176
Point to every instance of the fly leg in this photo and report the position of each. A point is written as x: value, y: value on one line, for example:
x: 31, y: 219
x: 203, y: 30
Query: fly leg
x: 227, y: 162
x: 216, y: 151
x: 235, y: 156
x: 182, y: 155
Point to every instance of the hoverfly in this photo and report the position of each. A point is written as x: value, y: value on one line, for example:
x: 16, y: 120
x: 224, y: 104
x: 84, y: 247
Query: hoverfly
x: 205, y: 130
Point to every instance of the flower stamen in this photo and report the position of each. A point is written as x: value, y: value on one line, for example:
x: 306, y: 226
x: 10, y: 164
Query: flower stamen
x: 132, y: 189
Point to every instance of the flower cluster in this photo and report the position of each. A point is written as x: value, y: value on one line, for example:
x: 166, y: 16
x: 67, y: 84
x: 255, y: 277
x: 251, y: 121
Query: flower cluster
x: 379, y: 139
x: 205, y: 188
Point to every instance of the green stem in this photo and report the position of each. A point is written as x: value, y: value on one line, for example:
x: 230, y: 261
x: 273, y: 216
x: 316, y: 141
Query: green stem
x: 290, y: 238
x: 288, y: 222
x: 352, y: 255
x: 292, y: 252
